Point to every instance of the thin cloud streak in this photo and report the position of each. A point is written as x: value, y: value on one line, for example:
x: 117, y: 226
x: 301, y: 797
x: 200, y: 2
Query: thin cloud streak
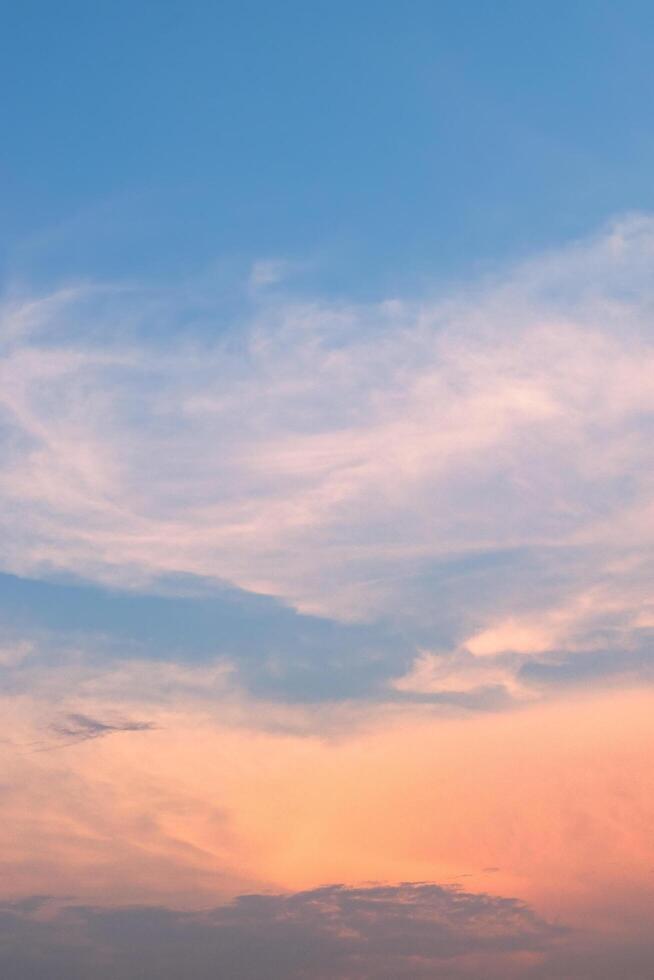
x: 76, y: 728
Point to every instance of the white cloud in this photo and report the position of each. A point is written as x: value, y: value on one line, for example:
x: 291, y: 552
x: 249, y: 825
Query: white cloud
x: 433, y: 673
x: 327, y: 453
x: 268, y: 272
x: 14, y: 653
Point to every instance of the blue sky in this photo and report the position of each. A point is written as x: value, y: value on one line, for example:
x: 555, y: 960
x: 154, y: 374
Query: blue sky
x: 388, y: 148
x: 288, y: 292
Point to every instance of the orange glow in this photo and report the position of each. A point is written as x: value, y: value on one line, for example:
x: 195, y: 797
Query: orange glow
x: 543, y: 803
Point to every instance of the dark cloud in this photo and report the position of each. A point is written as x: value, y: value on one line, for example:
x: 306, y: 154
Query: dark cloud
x: 412, y: 931
x: 634, y: 665
x: 80, y: 728
x: 369, y: 933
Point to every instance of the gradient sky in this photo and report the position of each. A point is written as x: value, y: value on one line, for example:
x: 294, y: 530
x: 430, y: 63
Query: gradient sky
x: 327, y: 490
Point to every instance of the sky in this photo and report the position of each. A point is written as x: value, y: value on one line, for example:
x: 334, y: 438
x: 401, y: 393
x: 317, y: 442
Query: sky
x: 326, y: 490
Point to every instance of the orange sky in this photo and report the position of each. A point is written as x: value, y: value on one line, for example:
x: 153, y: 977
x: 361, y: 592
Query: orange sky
x: 558, y: 798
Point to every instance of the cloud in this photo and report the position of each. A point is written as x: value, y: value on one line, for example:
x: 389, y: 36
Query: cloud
x: 511, y: 636
x: 463, y: 486
x: 268, y: 272
x: 433, y: 673
x: 477, y: 465
x: 407, y: 930
x: 80, y: 728
x: 416, y: 930
x: 12, y: 654
x: 601, y: 635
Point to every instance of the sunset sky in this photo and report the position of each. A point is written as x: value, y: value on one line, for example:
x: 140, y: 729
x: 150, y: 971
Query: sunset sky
x: 327, y: 490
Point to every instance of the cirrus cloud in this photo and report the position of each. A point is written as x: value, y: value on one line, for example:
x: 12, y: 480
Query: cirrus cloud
x: 483, y: 459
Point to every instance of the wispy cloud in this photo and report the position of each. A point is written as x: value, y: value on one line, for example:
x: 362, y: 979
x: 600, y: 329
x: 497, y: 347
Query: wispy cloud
x: 268, y: 272
x: 484, y: 459
x: 76, y: 728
